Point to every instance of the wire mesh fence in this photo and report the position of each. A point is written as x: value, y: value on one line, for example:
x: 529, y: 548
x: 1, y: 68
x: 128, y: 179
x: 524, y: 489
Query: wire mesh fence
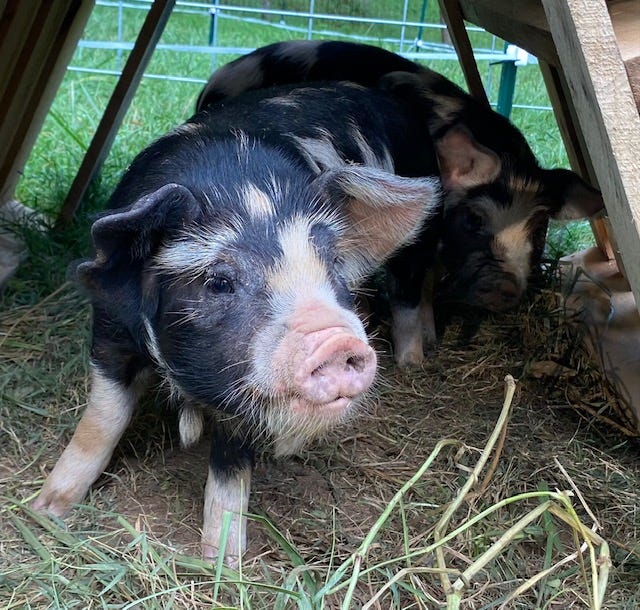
x: 220, y: 31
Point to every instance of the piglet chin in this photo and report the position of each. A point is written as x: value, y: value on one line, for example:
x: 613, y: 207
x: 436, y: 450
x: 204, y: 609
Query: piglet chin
x: 306, y: 421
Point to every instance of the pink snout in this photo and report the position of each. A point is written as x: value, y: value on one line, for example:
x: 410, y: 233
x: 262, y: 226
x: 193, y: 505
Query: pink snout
x: 332, y: 365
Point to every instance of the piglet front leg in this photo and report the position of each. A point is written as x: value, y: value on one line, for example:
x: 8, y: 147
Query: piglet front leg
x: 413, y: 329
x: 227, y: 490
x: 109, y: 411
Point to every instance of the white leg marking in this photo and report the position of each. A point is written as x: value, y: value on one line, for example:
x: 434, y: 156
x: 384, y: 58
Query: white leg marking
x: 107, y: 416
x: 406, y: 334
x: 226, y: 494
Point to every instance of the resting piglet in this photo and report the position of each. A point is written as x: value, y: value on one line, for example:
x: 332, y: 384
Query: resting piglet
x: 497, y: 199
x: 226, y: 264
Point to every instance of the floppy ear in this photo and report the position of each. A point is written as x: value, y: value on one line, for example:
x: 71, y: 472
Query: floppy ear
x: 382, y: 212
x: 572, y: 198
x: 464, y: 163
x: 124, y: 240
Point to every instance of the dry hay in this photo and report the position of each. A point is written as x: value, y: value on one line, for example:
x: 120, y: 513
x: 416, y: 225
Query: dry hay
x: 133, y: 538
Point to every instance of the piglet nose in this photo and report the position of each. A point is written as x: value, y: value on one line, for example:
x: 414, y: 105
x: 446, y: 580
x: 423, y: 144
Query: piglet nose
x: 509, y: 293
x: 501, y: 296
x: 341, y: 366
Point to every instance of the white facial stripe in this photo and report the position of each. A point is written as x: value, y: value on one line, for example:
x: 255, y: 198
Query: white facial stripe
x: 320, y: 153
x: 299, y: 280
x: 298, y: 277
x: 369, y: 158
x: 192, y: 255
x: 513, y: 246
x: 512, y: 240
x: 257, y: 202
x: 300, y: 264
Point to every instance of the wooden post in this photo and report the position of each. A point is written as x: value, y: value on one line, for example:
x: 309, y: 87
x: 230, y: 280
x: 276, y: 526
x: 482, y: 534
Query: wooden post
x: 452, y: 15
x: 574, y: 144
x: 118, y: 104
x: 37, y: 40
x: 605, y: 108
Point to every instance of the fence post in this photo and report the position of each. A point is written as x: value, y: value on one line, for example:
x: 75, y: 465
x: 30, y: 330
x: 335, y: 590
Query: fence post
x: 507, y: 87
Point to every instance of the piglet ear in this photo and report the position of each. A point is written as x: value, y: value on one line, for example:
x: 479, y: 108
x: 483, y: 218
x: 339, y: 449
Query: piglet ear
x: 571, y: 197
x: 464, y: 163
x: 382, y: 212
x: 125, y: 238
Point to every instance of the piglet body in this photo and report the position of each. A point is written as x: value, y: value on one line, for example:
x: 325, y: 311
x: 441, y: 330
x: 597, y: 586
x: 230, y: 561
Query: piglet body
x: 226, y: 263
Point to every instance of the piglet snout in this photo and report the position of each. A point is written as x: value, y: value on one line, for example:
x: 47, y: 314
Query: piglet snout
x: 333, y: 364
x: 500, y: 296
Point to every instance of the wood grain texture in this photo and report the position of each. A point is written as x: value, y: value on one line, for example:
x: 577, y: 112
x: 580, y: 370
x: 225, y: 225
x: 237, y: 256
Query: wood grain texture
x: 600, y: 91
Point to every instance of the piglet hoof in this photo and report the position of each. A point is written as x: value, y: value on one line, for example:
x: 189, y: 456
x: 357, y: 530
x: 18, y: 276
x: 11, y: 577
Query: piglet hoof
x: 210, y: 553
x: 52, y: 503
x: 407, y: 337
x: 60, y: 491
x: 409, y: 353
x: 409, y: 359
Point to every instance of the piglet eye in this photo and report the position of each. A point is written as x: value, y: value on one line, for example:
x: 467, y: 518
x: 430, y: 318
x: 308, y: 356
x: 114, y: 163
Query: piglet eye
x: 471, y: 222
x: 219, y: 284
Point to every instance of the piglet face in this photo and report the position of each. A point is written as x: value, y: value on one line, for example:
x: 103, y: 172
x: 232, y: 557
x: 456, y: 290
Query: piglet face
x: 491, y: 242
x: 261, y: 323
x: 495, y: 215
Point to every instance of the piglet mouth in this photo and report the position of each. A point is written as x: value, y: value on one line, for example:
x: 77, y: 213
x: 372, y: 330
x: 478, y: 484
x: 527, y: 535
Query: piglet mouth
x: 498, y: 295
x: 336, y: 407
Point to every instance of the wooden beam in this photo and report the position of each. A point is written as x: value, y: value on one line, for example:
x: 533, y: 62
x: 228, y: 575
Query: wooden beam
x: 450, y: 11
x: 600, y: 91
x: 39, y: 40
x: 118, y: 104
x: 521, y: 22
x: 574, y: 144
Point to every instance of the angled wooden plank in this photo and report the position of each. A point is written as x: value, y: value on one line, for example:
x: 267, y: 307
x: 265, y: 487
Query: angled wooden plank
x: 594, y: 70
x: 452, y: 16
x: 521, y: 22
x: 34, y: 66
x: 119, y: 102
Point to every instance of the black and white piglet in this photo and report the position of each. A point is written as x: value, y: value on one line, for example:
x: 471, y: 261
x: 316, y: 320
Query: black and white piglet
x: 497, y: 199
x: 226, y: 264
